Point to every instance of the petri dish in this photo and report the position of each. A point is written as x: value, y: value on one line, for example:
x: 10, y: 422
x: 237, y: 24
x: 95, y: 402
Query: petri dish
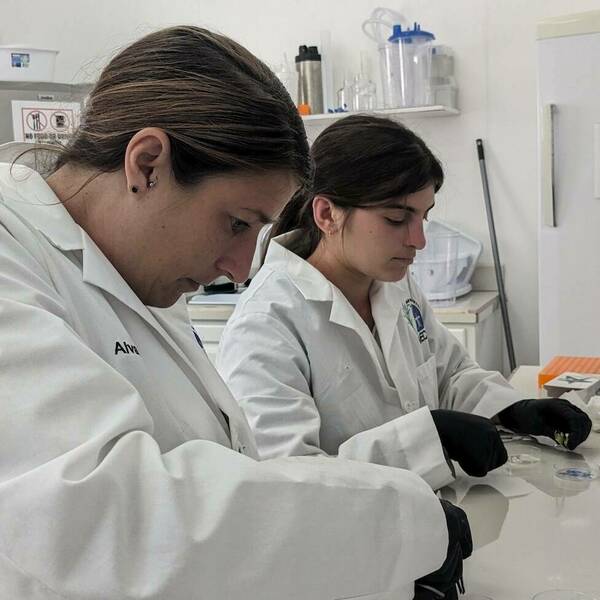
x: 523, y: 459
x: 522, y: 455
x: 575, y: 472
x: 566, y: 595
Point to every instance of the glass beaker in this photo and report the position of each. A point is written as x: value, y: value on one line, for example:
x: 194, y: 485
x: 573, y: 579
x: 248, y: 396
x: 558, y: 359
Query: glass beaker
x: 287, y: 76
x: 345, y: 95
x: 363, y: 94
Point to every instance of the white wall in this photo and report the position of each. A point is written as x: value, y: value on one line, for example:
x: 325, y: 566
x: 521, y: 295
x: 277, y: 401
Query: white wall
x: 494, y: 44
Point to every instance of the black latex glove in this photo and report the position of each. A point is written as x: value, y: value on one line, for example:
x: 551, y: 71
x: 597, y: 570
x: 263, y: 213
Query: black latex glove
x: 472, y: 441
x: 444, y: 582
x: 552, y: 417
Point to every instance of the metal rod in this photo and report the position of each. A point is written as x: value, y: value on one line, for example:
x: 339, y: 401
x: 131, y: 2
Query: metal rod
x: 497, y: 265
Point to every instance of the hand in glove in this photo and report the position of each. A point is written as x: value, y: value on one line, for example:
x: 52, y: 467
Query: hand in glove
x: 472, y: 441
x: 556, y: 418
x: 444, y: 582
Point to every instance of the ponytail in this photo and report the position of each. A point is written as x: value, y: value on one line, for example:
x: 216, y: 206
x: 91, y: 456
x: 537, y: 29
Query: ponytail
x: 298, y: 215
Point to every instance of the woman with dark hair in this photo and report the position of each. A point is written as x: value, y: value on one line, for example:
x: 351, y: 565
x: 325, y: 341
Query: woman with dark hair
x: 334, y: 349
x: 127, y: 469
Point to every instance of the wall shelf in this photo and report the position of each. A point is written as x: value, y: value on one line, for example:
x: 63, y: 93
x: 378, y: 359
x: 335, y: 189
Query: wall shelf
x: 414, y: 112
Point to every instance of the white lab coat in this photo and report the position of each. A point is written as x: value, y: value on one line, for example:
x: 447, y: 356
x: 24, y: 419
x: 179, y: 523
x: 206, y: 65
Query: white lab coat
x: 313, y: 379
x: 119, y: 476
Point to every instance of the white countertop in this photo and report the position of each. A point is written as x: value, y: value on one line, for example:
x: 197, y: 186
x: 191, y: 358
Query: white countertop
x: 222, y: 299
x: 471, y: 308
x: 532, y: 531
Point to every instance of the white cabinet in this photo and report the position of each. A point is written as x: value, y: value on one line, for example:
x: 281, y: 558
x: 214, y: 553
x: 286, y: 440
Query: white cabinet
x: 474, y: 320
x: 476, y: 323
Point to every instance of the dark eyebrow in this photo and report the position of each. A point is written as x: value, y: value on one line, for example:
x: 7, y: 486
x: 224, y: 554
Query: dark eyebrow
x: 264, y: 219
x: 410, y: 209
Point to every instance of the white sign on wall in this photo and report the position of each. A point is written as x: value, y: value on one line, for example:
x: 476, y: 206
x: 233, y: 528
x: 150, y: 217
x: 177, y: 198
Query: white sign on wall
x: 41, y: 122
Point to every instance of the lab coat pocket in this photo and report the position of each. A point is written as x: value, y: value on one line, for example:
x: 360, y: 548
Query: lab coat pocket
x: 428, y: 388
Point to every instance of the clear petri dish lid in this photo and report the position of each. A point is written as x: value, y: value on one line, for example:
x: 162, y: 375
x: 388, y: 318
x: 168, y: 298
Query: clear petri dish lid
x: 523, y: 459
x: 522, y: 454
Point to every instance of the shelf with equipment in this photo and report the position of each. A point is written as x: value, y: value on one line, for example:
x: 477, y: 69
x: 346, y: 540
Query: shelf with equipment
x: 413, y: 112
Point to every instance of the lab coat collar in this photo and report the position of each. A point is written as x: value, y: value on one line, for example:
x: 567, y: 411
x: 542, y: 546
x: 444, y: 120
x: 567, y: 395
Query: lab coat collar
x: 387, y: 301
x: 386, y: 298
x: 25, y: 192
x: 100, y: 272
x: 311, y: 283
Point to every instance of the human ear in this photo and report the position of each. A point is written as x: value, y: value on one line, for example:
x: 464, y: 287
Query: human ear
x: 326, y: 215
x: 147, y: 158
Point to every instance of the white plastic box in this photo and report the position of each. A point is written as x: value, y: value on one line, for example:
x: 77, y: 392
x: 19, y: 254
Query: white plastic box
x: 443, y: 271
x: 19, y: 63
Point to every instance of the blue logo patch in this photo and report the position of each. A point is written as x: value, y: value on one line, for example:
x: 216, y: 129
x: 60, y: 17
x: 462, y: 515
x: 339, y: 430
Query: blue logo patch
x: 412, y: 313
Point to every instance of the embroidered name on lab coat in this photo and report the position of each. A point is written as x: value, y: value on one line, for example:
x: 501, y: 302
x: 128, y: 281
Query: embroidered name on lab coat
x: 125, y: 348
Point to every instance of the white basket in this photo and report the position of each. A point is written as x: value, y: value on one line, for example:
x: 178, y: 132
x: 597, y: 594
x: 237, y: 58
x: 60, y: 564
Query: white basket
x: 19, y: 63
x: 433, y: 270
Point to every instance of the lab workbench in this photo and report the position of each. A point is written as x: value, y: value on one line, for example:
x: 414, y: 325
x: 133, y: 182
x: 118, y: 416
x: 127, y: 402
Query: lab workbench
x: 532, y: 531
x: 474, y: 320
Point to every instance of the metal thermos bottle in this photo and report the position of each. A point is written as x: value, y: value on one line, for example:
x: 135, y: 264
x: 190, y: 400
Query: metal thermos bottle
x: 310, y: 81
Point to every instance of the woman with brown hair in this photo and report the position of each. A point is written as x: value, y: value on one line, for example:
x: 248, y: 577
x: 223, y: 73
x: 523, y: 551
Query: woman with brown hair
x: 127, y: 469
x: 334, y: 350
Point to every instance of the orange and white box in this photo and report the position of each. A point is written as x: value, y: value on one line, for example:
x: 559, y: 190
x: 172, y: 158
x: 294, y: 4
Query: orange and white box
x: 584, y: 384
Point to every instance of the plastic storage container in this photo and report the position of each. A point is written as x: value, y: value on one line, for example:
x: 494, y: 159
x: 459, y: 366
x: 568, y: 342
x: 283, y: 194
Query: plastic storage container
x: 437, y: 267
x: 406, y: 67
x: 19, y: 63
x: 443, y: 269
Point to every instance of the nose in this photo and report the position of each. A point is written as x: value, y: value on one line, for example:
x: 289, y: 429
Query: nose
x: 238, y: 259
x: 416, y: 234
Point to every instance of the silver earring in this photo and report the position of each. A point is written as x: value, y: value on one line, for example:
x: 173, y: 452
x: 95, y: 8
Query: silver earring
x: 151, y: 183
